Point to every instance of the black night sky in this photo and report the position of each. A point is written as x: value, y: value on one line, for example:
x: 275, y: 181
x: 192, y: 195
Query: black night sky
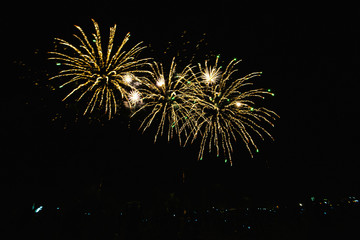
x: 309, y: 57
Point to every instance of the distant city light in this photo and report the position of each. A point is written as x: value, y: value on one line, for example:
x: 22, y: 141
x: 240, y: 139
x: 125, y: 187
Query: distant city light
x: 38, y: 209
x: 327, y: 207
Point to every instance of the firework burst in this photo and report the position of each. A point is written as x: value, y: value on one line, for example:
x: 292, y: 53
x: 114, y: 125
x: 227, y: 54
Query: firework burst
x: 104, y: 77
x: 166, y: 98
x: 222, y: 112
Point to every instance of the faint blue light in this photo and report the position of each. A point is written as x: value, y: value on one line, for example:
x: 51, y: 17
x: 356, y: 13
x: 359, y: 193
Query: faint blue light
x: 248, y: 227
x: 38, y: 209
x: 324, y: 213
x: 58, y: 208
x: 174, y: 215
x: 195, y: 220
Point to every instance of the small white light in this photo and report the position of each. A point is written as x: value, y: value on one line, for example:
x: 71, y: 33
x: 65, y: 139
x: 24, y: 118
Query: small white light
x: 128, y: 78
x: 134, y: 97
x: 238, y: 104
x: 211, y: 75
x: 160, y: 82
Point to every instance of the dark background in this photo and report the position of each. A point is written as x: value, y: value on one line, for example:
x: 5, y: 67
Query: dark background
x: 309, y: 56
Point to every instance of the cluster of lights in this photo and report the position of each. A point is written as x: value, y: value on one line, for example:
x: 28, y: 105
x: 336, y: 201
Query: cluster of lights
x: 195, y: 217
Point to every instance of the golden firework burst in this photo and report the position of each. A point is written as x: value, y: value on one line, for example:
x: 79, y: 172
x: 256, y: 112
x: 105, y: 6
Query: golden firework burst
x: 166, y: 99
x: 106, y: 76
x: 223, y: 109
